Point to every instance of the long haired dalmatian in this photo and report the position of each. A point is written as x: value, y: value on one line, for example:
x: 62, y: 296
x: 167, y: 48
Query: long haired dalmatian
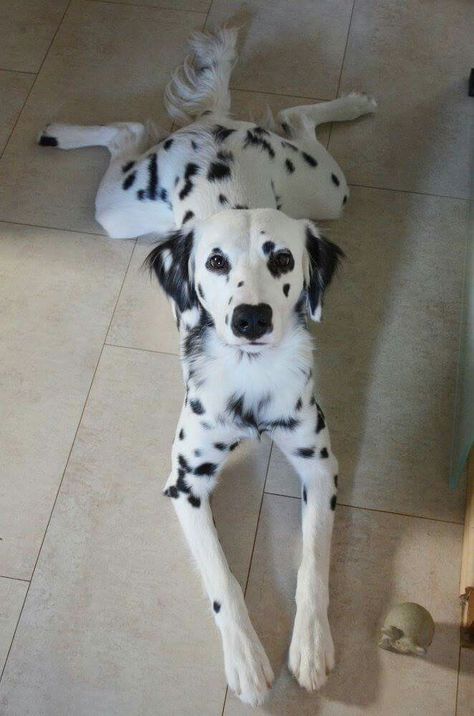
x: 244, y: 267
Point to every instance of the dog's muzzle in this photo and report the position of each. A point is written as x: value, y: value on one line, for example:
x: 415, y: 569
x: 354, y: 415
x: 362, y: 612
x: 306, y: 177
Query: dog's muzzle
x: 251, y: 322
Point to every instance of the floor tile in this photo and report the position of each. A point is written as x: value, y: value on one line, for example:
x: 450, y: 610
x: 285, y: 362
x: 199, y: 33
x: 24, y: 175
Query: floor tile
x: 57, y: 295
x: 378, y: 560
x: 108, y: 63
x: 465, y: 701
x: 27, y: 28
x: 283, y: 53
x: 12, y: 596
x: 115, y: 589
x: 386, y: 353
x: 14, y: 88
x: 414, y: 57
x: 143, y: 318
x: 191, y: 5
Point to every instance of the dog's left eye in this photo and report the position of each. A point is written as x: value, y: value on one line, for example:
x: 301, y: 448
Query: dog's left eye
x: 217, y: 262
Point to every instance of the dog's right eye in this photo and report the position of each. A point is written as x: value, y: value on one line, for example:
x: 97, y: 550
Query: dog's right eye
x: 217, y: 262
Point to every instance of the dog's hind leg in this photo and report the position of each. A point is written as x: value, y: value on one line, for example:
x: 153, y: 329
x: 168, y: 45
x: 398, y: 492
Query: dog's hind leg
x: 190, y: 484
x: 121, y: 138
x: 297, y: 122
x: 308, y: 448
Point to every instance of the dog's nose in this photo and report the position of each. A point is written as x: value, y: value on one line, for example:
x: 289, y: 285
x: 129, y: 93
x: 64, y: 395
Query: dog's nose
x: 251, y: 321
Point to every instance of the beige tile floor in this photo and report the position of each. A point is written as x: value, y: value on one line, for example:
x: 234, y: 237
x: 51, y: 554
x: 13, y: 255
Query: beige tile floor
x: 101, y: 612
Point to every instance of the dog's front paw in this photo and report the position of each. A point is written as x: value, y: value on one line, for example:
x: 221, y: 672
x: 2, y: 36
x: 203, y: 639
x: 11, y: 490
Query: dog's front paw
x: 247, y: 668
x: 311, y: 655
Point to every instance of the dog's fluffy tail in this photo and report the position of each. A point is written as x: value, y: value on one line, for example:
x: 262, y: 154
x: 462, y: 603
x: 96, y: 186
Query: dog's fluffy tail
x: 201, y: 83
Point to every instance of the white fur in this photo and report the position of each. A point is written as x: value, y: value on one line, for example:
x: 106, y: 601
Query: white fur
x: 236, y: 387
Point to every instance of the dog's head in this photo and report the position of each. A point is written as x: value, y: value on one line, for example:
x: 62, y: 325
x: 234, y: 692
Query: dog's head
x: 251, y: 270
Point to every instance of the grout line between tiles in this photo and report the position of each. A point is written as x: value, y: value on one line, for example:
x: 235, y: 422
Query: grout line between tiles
x: 147, y: 5
x: 35, y: 80
x: 19, y: 72
x: 58, y: 228
x: 15, y: 579
x: 65, y: 466
x: 375, y: 509
x: 409, y: 191
x: 280, y: 94
x: 144, y: 350
x: 342, y: 66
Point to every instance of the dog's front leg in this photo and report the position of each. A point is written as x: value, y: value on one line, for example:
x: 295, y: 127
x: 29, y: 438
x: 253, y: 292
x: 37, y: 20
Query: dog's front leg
x: 308, y: 448
x: 198, y: 455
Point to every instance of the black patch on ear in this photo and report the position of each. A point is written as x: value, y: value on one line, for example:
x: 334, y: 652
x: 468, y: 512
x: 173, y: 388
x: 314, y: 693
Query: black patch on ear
x: 324, y: 258
x: 173, y: 273
x: 45, y: 141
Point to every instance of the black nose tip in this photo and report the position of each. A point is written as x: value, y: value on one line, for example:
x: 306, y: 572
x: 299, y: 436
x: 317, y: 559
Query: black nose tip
x: 252, y: 321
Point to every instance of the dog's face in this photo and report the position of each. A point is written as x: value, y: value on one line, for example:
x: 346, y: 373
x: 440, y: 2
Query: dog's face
x: 251, y: 270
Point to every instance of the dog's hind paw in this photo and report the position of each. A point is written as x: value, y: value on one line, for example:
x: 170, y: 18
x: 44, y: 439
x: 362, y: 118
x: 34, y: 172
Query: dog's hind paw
x: 362, y: 103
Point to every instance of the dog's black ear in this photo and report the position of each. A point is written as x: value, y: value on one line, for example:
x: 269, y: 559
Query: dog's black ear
x: 323, y: 260
x: 170, y: 261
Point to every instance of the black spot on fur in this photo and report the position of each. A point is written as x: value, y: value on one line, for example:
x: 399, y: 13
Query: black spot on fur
x: 194, y: 501
x: 335, y: 480
x: 217, y: 171
x: 313, y: 400
x: 260, y: 130
x: 188, y: 215
x: 173, y: 273
x: 181, y: 484
x: 253, y: 138
x: 223, y: 199
x: 190, y: 171
x: 126, y: 167
x: 321, y: 424
x: 227, y: 319
x: 240, y: 206
x: 278, y: 203
x: 45, y: 141
x: 344, y: 201
x: 234, y: 445
x: 304, y: 452
x: 323, y: 452
x: 197, y: 453
x: 268, y: 247
x: 335, y: 179
x: 184, y: 463
x: 286, y: 289
x: 220, y: 446
x: 284, y: 423
x: 299, y: 404
x: 128, y: 181
x: 201, y: 292
x: 286, y: 129
x: 309, y: 159
x: 305, y: 495
x: 197, y: 407
x: 288, y: 145
x: 206, y: 468
x: 194, y: 145
x: 289, y: 166
x: 240, y: 284
x: 205, y: 425
x: 181, y: 434
x: 167, y: 144
x: 245, y: 417
x: 230, y: 300
x: 171, y: 491
x: 333, y: 502
x: 141, y: 194
x: 225, y: 156
x: 152, y: 189
x: 221, y: 133
x: 217, y: 607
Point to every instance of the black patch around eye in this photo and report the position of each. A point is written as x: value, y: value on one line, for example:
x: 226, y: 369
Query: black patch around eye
x: 206, y: 468
x: 309, y: 159
x: 217, y: 171
x: 194, y: 501
x: 126, y: 167
x: 304, y: 452
x: 188, y: 215
x: 128, y: 181
x: 221, y: 133
x: 289, y: 166
x: 335, y: 179
x: 333, y: 502
x: 220, y: 446
x: 181, y: 434
x: 268, y: 247
x: 276, y: 268
x: 223, y: 199
x: 167, y: 144
x: 324, y: 452
x: 286, y: 289
x: 45, y: 141
x: 305, y: 495
x: 217, y: 607
x: 197, y: 407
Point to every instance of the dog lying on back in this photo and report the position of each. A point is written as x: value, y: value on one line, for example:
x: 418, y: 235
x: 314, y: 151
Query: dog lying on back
x: 245, y: 268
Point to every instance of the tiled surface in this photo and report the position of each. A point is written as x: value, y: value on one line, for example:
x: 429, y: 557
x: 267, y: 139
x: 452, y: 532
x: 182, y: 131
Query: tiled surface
x: 14, y: 88
x: 108, y: 63
x: 115, y: 589
x: 12, y: 596
x: 378, y: 560
x: 57, y: 294
x: 465, y: 704
x: 284, y: 53
x: 27, y: 28
x: 387, y: 354
x: 115, y: 620
x: 415, y: 57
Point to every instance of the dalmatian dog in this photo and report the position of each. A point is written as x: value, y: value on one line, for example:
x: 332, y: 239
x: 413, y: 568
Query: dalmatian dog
x: 245, y: 268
